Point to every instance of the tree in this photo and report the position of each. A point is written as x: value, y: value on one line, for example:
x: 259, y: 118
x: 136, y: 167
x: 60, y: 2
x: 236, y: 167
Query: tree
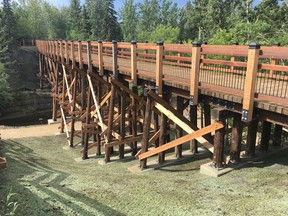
x: 74, y: 19
x: 169, y: 13
x: 85, y: 27
x: 103, y: 21
x: 128, y: 15
x: 149, y: 18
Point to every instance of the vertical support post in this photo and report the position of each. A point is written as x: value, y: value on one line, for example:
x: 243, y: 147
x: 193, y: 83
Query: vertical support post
x: 146, y: 131
x: 277, y: 135
x: 179, y: 54
x: 251, y: 137
x: 100, y: 58
x: 218, y: 155
x: 122, y: 123
x: 273, y: 61
x: 115, y: 58
x: 61, y: 52
x: 73, y: 55
x: 134, y: 63
x: 57, y: 50
x: 195, y: 68
x: 41, y: 71
x: 159, y: 68
x: 250, y: 81
x: 74, y: 91
x: 194, y: 121
x: 55, y: 101
x: 233, y: 57
x: 66, y: 52
x: 63, y: 100
x: 88, y: 106
x: 108, y: 150
x: 235, y: 148
x: 135, y: 90
x: 163, y: 130
x: 80, y: 55
x: 179, y: 130
x: 265, y: 135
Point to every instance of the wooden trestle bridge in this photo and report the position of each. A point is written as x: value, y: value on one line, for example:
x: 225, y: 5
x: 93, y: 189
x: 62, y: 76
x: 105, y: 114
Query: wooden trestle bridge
x: 121, y: 93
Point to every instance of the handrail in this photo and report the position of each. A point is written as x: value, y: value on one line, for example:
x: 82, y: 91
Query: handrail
x: 255, y: 71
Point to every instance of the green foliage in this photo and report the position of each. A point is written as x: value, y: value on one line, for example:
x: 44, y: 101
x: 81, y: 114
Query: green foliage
x: 161, y: 33
x: 5, y: 91
x: 10, y: 206
x: 129, y: 20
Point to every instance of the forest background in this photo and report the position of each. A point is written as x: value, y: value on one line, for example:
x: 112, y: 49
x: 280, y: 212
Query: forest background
x: 214, y: 21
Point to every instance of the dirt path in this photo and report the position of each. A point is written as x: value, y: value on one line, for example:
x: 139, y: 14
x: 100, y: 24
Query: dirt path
x: 29, y: 131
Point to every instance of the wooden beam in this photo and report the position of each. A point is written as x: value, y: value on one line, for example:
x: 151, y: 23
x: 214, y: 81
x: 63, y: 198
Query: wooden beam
x: 213, y: 127
x: 134, y: 63
x: 250, y: 82
x: 100, y: 58
x: 235, y: 148
x: 195, y: 70
x: 159, y: 67
x: 146, y: 131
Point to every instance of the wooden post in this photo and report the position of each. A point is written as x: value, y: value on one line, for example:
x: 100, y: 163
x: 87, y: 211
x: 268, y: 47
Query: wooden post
x: 134, y: 63
x: 122, y: 123
x: 179, y: 54
x: 73, y: 116
x: 265, y: 135
x: 218, y: 154
x: 108, y: 150
x: 114, y: 57
x: 80, y: 55
x: 273, y: 61
x: 235, y: 148
x: 195, y: 69
x: 63, y: 100
x: 146, y: 131
x: 159, y: 67
x: 100, y: 58
x: 57, y: 50
x: 66, y: 52
x: 233, y: 57
x: 61, y: 52
x: 88, y: 105
x: 163, y: 130
x: 251, y: 137
x: 55, y: 101
x: 277, y: 135
x: 135, y: 90
x: 73, y: 55
x: 41, y: 71
x: 179, y: 130
x: 194, y: 120
x: 250, y: 81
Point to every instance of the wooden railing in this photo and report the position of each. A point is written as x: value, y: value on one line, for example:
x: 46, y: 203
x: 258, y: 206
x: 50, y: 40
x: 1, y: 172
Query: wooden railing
x: 252, y: 72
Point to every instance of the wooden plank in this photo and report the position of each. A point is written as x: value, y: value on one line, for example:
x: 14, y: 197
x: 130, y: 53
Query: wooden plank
x: 214, y: 127
x: 250, y: 81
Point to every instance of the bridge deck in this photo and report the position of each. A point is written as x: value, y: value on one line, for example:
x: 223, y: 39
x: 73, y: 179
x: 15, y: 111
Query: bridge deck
x: 224, y: 78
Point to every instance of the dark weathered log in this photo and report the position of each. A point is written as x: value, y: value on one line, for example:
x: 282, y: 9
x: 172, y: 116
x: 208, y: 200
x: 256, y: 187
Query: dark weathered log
x: 146, y: 131
x: 265, y: 136
x: 236, y: 138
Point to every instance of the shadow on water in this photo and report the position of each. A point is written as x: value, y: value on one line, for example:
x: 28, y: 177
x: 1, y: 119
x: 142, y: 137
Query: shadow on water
x: 40, y: 189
